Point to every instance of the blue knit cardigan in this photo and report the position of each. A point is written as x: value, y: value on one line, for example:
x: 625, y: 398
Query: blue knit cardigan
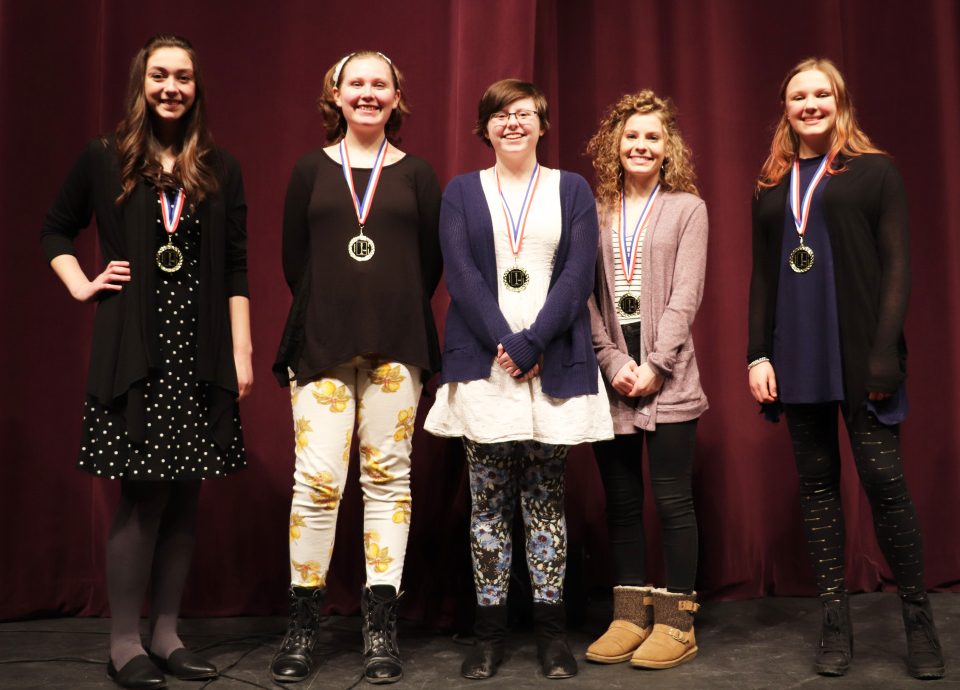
x: 475, y: 324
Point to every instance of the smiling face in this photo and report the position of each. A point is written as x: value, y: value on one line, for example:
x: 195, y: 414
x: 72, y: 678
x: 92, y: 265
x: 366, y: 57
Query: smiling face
x: 811, y: 109
x: 169, y: 83
x: 643, y: 146
x: 367, y: 94
x: 515, y: 138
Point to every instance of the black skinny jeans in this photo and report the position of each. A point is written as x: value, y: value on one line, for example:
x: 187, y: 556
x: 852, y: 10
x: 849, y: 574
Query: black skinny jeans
x: 876, y: 452
x: 670, y: 450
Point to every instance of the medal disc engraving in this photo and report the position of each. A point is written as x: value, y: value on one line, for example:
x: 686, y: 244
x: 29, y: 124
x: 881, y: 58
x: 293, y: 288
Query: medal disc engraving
x: 361, y: 248
x: 801, y: 259
x: 169, y: 258
x: 628, y: 305
x: 516, y: 279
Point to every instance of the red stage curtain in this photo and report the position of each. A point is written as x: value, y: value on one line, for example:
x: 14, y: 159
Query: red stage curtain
x: 63, y: 70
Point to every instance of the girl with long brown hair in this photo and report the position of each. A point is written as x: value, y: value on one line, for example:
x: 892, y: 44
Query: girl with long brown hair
x: 362, y: 259
x: 171, y: 352
x: 828, y: 297
x: 650, y: 272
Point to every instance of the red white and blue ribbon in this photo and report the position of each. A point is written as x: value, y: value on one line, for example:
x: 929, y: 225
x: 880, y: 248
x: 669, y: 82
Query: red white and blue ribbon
x: 172, y: 210
x: 516, y: 228
x: 363, y: 207
x: 628, y: 249
x: 801, y: 211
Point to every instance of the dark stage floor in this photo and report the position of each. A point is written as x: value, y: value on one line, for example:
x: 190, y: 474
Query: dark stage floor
x: 763, y: 643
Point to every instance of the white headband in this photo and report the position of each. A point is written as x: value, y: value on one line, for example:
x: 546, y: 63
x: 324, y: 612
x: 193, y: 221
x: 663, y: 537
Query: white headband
x: 345, y: 58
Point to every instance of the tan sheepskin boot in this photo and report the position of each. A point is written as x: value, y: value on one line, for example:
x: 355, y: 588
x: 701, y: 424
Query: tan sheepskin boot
x: 632, y: 623
x: 672, y: 641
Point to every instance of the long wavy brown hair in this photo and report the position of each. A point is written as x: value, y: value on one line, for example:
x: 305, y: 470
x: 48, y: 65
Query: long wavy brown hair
x: 604, y: 147
x: 333, y: 119
x: 849, y: 141
x: 137, y: 145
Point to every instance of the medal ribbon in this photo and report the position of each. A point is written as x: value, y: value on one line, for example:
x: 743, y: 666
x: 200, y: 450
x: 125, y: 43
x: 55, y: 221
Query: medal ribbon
x: 516, y: 228
x: 363, y: 207
x: 628, y: 250
x: 172, y: 210
x: 800, y: 219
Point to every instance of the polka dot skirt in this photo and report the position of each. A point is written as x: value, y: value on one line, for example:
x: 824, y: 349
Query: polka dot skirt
x: 179, y: 443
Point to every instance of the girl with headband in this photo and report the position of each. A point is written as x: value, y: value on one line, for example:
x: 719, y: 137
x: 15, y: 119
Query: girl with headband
x: 362, y: 259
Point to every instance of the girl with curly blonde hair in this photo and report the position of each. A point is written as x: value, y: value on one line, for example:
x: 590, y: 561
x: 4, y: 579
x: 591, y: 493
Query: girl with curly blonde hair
x: 649, y: 281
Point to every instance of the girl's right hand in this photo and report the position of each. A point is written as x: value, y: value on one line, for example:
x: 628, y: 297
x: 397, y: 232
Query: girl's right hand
x: 113, y: 277
x: 625, y: 379
x: 763, y: 383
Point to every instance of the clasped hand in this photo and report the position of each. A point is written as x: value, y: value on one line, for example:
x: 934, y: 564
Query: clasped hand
x: 508, y: 365
x: 637, y: 380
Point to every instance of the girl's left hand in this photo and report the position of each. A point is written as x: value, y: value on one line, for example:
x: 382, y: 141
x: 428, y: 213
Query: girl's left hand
x: 243, y: 361
x: 648, y: 381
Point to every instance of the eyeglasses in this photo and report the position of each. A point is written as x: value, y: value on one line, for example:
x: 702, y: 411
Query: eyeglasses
x: 524, y: 117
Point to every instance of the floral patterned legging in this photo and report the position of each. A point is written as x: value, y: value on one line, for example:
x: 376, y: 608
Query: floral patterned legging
x: 498, y: 472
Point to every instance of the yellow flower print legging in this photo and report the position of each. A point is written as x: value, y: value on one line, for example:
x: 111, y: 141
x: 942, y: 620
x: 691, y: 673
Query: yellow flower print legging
x: 382, y: 397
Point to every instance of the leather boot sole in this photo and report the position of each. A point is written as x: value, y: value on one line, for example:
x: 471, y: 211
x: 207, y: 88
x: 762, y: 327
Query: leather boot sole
x: 600, y: 659
x: 689, y: 655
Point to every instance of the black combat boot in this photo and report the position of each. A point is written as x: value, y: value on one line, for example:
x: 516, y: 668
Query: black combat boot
x: 294, y: 660
x: 381, y: 656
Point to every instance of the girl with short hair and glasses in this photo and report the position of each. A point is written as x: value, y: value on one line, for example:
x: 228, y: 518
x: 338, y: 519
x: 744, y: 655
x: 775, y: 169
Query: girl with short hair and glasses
x: 828, y: 298
x: 362, y: 259
x: 520, y: 382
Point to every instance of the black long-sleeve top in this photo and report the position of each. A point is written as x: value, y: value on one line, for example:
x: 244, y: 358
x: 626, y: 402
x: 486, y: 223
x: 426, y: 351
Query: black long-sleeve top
x: 867, y: 221
x: 125, y: 346
x: 341, y: 307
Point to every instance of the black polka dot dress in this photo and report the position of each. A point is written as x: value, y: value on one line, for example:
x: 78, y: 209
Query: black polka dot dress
x: 179, y: 444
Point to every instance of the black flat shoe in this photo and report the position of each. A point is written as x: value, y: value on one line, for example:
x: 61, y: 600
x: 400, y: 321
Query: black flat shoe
x: 183, y: 664
x: 139, y: 672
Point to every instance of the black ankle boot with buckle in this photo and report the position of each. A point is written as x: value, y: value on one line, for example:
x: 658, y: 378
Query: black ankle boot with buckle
x: 836, y: 635
x: 295, y: 659
x: 381, y: 656
x: 924, y: 655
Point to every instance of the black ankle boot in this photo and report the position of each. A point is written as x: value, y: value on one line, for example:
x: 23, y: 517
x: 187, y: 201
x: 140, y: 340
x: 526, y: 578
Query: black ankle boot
x: 381, y: 656
x: 836, y: 635
x: 924, y: 656
x: 550, y: 624
x: 294, y: 660
x: 483, y: 660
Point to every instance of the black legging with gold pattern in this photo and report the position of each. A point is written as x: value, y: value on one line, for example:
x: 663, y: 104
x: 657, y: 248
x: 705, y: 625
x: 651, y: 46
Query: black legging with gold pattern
x: 876, y: 451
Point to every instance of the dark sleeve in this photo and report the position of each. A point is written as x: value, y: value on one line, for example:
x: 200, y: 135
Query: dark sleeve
x: 893, y: 244
x: 468, y: 290
x: 428, y: 205
x: 72, y: 210
x: 296, y: 231
x: 761, y: 292
x: 236, y: 229
x: 568, y: 296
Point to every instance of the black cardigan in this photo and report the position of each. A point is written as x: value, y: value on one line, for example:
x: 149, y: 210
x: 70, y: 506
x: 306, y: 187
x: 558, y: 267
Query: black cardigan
x: 866, y: 213
x: 125, y: 346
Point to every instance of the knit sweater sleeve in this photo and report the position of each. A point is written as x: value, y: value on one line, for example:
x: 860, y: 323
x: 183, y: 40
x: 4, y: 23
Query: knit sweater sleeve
x: 73, y: 209
x: 236, y: 227
x: 428, y: 205
x: 762, y: 291
x: 673, y: 329
x: 884, y: 372
x: 468, y: 290
x: 568, y: 294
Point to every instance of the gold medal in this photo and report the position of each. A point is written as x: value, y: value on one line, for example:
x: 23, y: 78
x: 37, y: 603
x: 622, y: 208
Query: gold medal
x: 516, y: 279
x: 169, y: 257
x: 801, y: 258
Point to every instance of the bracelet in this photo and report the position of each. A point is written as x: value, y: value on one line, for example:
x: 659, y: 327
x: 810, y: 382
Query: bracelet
x: 758, y: 360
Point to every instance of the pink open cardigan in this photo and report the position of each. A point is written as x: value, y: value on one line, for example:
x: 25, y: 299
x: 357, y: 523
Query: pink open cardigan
x: 674, y: 264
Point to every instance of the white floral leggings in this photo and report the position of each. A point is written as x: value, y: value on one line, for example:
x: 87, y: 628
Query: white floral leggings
x: 498, y: 472
x: 382, y: 397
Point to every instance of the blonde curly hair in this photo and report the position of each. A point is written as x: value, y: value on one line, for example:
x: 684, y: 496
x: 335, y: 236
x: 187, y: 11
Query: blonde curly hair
x: 677, y: 173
